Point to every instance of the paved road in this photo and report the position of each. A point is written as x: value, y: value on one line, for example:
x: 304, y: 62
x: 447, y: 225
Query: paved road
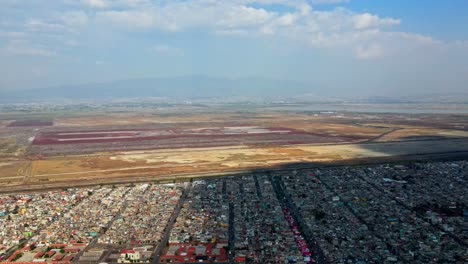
x: 109, y: 224
x: 227, y: 198
x: 170, y: 224
x: 286, y: 201
x: 257, y: 187
x: 381, y: 135
x: 232, y: 238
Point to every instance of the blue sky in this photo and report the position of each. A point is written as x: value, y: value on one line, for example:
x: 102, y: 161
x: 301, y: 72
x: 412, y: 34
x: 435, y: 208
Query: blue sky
x: 445, y: 20
x: 355, y: 47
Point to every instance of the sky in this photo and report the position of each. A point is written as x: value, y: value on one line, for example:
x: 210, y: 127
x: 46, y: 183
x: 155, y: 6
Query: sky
x: 340, y: 47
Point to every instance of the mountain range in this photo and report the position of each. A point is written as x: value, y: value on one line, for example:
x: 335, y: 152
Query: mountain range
x: 209, y: 88
x: 184, y: 88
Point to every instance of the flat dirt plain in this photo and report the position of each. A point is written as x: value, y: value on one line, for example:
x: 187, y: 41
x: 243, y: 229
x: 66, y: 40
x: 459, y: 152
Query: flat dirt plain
x: 51, y: 150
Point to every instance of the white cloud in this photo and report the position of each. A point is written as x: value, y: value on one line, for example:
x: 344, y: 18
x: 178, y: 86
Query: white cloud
x: 71, y: 43
x: 267, y: 30
x: 321, y: 2
x: 43, y: 36
x: 165, y: 49
x: 365, y: 35
x: 96, y: 3
x: 389, y: 22
x: 100, y: 63
x: 23, y: 50
x: 74, y: 19
x: 243, y: 16
x: 231, y: 32
x: 64, y: 22
x: 12, y: 34
x: 178, y: 16
x: 366, y: 20
x: 222, y: 16
x: 108, y: 4
x: 373, y: 51
x: 287, y: 19
x: 38, y: 25
x: 375, y: 44
x: 129, y: 19
x: 461, y: 44
x: 38, y: 72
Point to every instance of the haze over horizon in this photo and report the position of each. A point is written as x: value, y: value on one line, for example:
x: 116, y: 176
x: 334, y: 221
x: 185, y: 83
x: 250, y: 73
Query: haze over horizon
x: 343, y: 47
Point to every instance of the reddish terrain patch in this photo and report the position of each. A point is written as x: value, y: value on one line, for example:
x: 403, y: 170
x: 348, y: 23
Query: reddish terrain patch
x: 199, y: 135
x: 31, y: 123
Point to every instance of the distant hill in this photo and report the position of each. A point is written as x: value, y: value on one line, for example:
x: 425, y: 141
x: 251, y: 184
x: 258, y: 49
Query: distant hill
x: 208, y: 88
x: 192, y: 87
x: 461, y: 98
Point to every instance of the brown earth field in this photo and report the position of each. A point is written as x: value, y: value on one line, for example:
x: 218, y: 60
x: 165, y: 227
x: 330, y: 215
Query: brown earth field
x: 102, y: 148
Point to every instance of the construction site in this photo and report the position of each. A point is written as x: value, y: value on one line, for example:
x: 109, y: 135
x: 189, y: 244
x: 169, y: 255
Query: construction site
x: 75, y: 148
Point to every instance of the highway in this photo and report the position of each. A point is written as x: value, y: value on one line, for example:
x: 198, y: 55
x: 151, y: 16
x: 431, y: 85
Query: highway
x: 180, y: 177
